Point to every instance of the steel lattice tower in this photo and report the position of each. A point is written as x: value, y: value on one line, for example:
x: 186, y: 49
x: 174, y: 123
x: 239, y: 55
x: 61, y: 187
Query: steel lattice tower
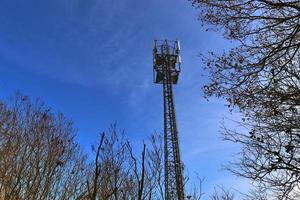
x: 166, y: 68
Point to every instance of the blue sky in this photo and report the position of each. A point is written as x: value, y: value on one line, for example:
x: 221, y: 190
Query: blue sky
x: 92, y: 60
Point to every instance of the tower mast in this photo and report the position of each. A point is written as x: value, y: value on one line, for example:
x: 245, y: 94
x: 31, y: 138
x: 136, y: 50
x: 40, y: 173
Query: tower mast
x: 166, y: 69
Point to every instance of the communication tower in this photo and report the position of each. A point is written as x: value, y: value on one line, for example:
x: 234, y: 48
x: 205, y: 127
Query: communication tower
x: 166, y: 69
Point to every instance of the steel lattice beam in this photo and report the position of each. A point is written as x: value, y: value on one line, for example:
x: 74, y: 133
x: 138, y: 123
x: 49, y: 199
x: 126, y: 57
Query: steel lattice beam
x: 166, y: 66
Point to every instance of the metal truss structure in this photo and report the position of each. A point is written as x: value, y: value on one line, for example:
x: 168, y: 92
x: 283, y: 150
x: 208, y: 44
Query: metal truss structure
x: 166, y: 69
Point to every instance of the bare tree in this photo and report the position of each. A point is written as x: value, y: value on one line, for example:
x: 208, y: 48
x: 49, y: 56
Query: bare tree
x: 118, y: 173
x: 39, y: 157
x: 139, y: 174
x: 259, y: 193
x: 93, y: 194
x: 222, y: 194
x: 109, y: 176
x: 260, y: 78
x: 155, y: 176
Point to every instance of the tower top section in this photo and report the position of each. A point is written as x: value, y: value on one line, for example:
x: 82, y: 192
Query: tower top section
x: 166, y: 60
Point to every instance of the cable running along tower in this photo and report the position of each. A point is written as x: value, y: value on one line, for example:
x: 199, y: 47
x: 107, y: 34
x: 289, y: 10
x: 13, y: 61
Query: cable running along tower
x: 166, y: 69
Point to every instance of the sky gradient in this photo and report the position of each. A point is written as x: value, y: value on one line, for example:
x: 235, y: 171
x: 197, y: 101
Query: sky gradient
x: 92, y: 61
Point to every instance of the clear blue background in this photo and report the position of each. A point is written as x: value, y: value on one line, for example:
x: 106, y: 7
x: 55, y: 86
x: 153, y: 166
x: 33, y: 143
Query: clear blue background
x: 92, y: 60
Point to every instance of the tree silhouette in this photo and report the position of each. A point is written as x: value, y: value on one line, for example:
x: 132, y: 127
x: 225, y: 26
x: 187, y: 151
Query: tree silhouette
x: 260, y: 78
x: 39, y: 157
